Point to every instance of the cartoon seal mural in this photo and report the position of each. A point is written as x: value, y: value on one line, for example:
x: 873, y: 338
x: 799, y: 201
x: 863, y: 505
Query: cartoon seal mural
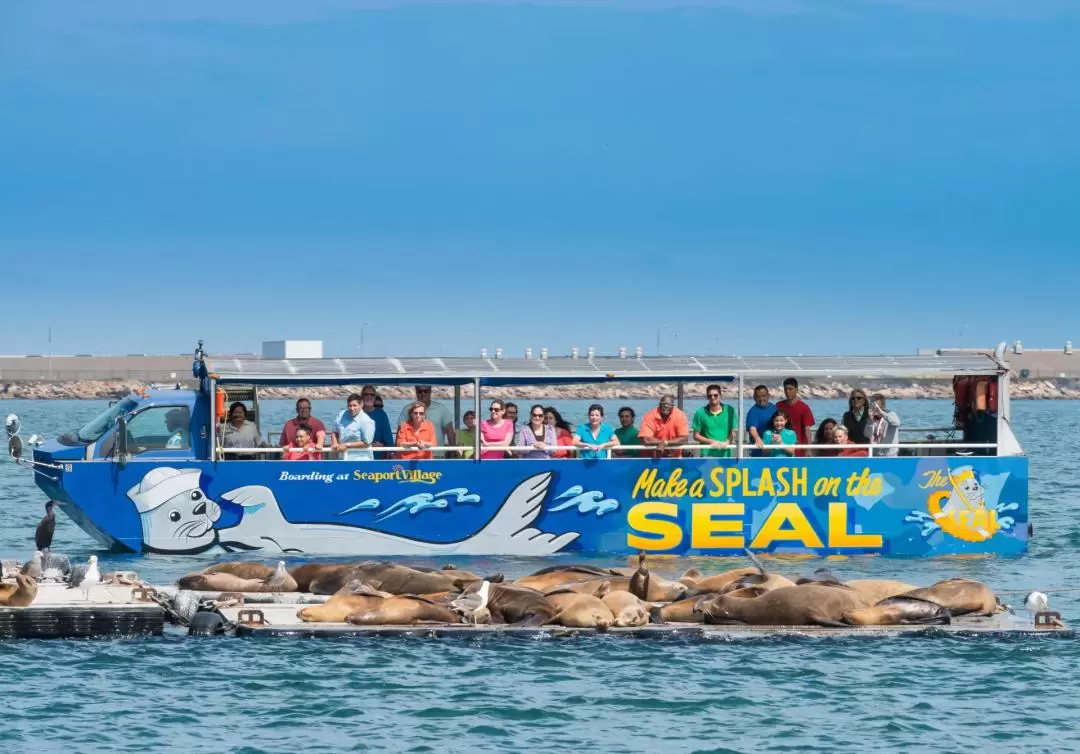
x: 179, y: 517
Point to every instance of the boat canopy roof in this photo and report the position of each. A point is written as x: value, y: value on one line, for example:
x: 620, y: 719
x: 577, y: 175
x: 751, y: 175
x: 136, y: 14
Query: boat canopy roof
x: 568, y: 370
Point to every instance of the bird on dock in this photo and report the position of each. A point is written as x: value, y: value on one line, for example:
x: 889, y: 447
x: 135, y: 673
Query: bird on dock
x: 33, y: 569
x: 43, y: 535
x: 1036, y: 602
x: 85, y: 577
x: 54, y: 567
x: 473, y: 605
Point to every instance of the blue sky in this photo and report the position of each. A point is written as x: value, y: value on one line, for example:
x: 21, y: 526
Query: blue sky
x: 775, y: 176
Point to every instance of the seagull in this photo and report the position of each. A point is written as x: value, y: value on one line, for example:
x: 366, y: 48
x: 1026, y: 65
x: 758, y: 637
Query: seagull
x: 86, y: 577
x: 471, y: 603
x: 43, y: 535
x: 55, y: 567
x: 1036, y: 602
x: 277, y: 579
x: 33, y: 568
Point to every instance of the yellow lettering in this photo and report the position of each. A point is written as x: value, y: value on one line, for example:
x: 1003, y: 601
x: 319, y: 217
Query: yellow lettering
x: 839, y: 536
x: 800, y: 483
x: 644, y: 480
x: 717, y: 479
x: 641, y: 518
x: 733, y: 478
x: 773, y: 529
x: 704, y: 528
x: 827, y: 487
x: 357, y: 475
x: 765, y: 484
x: 697, y: 488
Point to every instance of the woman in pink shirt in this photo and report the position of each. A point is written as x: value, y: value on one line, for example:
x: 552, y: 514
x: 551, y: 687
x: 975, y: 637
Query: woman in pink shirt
x: 495, y: 432
x: 301, y: 449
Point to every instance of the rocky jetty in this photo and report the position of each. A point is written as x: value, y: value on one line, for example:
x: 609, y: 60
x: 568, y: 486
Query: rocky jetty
x: 1044, y: 389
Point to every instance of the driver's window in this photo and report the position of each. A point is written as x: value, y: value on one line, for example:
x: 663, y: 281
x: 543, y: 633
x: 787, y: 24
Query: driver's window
x: 160, y: 428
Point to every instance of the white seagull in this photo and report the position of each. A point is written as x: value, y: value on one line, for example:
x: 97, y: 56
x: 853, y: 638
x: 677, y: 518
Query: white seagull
x: 1036, y: 602
x: 471, y: 603
x: 86, y: 577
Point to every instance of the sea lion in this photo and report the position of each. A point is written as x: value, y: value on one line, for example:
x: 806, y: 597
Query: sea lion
x: 577, y: 610
x: 660, y: 589
x: 693, y: 578
x: 33, y: 568
x: 627, y: 608
x: 23, y: 594
x: 219, y: 582
x: 339, y: 607
x: 805, y: 605
x: 556, y: 576
x: 304, y: 574
x: 388, y: 577
x: 593, y: 588
x: 403, y: 610
x: 899, y: 611
x: 961, y: 596
x: 241, y: 569
x: 513, y: 604
x: 639, y: 582
x: 876, y: 590
x: 685, y: 610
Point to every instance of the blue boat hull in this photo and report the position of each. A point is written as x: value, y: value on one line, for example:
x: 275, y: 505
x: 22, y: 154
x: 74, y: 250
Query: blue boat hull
x: 909, y: 506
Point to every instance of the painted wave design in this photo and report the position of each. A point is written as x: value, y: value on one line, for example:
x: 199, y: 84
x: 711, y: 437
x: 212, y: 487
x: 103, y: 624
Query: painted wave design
x: 415, y: 504
x: 592, y: 501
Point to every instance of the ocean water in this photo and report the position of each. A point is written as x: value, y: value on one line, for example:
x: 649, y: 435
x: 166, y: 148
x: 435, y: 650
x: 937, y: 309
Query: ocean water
x: 591, y: 694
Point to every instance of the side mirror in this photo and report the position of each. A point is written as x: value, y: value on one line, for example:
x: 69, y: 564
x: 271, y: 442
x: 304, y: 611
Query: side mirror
x: 12, y: 424
x: 121, y: 440
x: 15, y: 447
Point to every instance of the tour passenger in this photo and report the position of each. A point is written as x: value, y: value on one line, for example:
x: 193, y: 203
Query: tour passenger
x: 354, y: 431
x: 626, y: 433
x: 495, y: 432
x: 714, y: 424
x: 303, y: 416
x: 800, y: 417
x: 466, y: 436
x: 176, y: 426
x: 563, y: 431
x: 840, y: 437
x: 857, y: 417
x: 378, y: 401
x: 825, y: 436
x: 537, y: 438
x: 438, y: 414
x: 664, y: 428
x: 776, y: 438
x: 241, y: 433
x: 595, y: 437
x: 384, y: 434
x: 510, y: 413
x: 301, y: 448
x: 759, y: 418
x: 418, y: 432
x: 884, y: 428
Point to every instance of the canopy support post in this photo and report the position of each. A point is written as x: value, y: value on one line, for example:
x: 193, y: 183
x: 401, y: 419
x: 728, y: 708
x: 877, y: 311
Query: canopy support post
x: 741, y: 430
x: 476, y: 408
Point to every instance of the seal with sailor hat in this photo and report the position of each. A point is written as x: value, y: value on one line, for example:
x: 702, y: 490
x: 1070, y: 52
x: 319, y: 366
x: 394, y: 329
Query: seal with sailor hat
x: 176, y: 515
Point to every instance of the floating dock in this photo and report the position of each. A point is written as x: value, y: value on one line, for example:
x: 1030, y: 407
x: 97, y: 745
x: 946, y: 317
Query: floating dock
x: 61, y: 613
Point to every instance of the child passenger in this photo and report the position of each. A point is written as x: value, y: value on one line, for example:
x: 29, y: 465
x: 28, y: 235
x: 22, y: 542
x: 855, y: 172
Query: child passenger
x: 776, y: 438
x: 301, y: 449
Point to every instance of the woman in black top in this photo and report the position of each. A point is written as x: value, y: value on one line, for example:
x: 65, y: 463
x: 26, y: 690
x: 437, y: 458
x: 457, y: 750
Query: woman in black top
x: 857, y: 417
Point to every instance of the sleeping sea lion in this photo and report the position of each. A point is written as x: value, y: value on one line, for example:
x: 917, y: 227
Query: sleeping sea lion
x: 395, y: 579
x: 556, y: 576
x: 627, y: 609
x: 659, y: 588
x: 241, y: 569
x: 219, y: 582
x: 578, y: 610
x: 305, y: 574
x: 639, y: 582
x: 23, y: 594
x: 899, y: 611
x: 806, y: 605
x: 403, y: 610
x: 685, y: 610
x: 513, y: 604
x: 693, y: 578
x: 876, y: 590
x: 961, y: 596
x: 338, y: 607
x: 593, y: 588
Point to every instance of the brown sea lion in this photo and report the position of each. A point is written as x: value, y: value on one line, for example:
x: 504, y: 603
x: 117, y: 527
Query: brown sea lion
x: 338, y: 608
x: 24, y: 591
x: 961, y: 596
x: 403, y: 610
x: 303, y: 575
x: 899, y: 611
x: 388, y: 577
x: 876, y: 590
x: 639, y: 582
x: 241, y: 569
x: 577, y: 610
x: 593, y: 588
x: 513, y: 604
x: 219, y: 582
x: 660, y: 589
x: 627, y: 609
x: 693, y: 578
x: 685, y: 610
x: 805, y: 605
x: 556, y: 576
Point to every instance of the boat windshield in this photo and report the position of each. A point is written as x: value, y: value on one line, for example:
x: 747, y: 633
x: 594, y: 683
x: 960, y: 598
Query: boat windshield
x: 99, y: 425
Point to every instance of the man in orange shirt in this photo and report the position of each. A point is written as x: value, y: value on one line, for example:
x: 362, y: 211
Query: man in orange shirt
x: 417, y: 433
x: 663, y: 427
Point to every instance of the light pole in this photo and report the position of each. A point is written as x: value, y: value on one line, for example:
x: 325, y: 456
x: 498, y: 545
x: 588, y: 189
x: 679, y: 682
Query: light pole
x: 661, y: 327
x: 362, y: 327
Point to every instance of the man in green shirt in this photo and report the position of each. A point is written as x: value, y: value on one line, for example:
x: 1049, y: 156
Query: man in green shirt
x: 714, y: 424
x: 627, y: 433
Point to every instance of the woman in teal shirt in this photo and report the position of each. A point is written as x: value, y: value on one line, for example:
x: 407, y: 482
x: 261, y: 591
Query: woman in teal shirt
x: 595, y: 438
x: 779, y: 436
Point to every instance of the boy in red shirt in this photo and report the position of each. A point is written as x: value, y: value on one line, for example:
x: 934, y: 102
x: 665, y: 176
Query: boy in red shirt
x: 800, y: 416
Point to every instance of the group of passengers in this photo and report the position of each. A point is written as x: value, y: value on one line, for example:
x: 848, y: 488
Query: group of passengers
x: 773, y: 429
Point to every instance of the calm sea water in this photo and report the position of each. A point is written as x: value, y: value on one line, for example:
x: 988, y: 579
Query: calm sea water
x: 592, y: 694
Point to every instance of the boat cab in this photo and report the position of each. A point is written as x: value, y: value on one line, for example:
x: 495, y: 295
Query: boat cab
x: 152, y: 473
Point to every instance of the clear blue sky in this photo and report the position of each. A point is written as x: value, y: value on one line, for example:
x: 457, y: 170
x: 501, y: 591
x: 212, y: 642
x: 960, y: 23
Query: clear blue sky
x: 761, y: 176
